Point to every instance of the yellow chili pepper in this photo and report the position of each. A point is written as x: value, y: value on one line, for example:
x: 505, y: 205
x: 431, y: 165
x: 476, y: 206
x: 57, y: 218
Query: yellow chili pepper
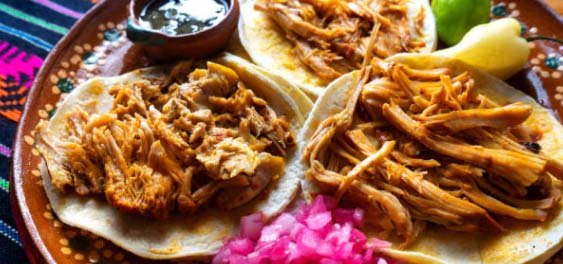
x: 496, y: 48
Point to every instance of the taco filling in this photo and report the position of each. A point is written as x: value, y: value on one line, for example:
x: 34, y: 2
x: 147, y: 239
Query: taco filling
x: 168, y: 147
x: 330, y: 37
x: 425, y: 146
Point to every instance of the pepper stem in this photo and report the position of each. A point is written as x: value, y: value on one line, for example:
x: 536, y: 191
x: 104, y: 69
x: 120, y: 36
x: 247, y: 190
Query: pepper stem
x: 544, y: 38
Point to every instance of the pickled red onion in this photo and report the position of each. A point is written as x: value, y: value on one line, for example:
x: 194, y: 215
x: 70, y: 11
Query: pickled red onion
x: 316, y: 233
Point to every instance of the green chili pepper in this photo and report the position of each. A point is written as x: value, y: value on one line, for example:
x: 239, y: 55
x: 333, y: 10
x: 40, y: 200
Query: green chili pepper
x: 455, y: 17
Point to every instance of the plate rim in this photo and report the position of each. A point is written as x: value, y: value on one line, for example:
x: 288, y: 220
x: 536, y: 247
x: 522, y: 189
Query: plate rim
x: 16, y: 178
x: 28, y: 232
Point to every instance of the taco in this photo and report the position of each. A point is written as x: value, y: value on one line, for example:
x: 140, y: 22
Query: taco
x: 163, y: 161
x: 452, y: 164
x: 313, y: 42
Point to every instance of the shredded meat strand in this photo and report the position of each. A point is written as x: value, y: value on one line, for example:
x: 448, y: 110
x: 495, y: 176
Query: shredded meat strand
x: 172, y: 146
x: 331, y: 36
x: 425, y: 146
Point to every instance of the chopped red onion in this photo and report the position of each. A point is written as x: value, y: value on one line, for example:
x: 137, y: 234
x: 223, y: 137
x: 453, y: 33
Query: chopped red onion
x: 317, y: 233
x: 251, y: 225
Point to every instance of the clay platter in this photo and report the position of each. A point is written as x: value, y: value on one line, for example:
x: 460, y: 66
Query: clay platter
x: 97, y: 46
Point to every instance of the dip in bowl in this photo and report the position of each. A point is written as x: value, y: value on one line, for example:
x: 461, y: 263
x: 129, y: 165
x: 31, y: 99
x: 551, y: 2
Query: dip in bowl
x: 182, y: 29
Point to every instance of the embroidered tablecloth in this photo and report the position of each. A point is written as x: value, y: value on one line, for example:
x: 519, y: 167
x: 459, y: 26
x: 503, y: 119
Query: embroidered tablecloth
x: 29, y: 29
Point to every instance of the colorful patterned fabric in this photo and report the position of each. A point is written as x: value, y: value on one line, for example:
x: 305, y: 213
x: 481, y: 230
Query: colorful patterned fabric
x: 29, y: 29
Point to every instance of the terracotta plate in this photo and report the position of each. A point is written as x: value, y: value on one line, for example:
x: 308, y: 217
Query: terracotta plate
x: 97, y: 46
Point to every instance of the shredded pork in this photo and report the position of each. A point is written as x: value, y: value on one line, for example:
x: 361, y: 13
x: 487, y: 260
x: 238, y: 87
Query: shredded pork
x: 331, y: 36
x: 424, y: 146
x: 172, y: 147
